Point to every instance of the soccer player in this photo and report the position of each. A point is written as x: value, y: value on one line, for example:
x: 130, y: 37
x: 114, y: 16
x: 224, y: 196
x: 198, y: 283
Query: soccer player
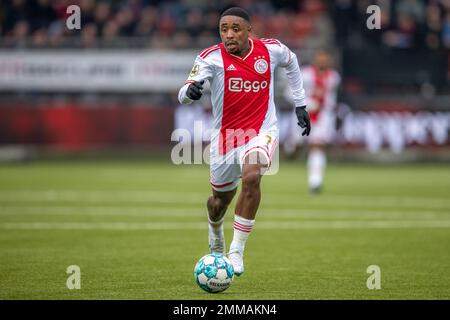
x: 321, y: 83
x: 240, y: 71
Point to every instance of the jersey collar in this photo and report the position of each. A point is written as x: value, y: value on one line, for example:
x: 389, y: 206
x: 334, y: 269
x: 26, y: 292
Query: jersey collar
x: 249, y: 51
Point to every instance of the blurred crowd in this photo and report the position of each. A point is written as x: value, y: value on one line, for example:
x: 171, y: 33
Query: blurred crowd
x: 188, y: 23
x: 154, y: 23
x: 405, y: 24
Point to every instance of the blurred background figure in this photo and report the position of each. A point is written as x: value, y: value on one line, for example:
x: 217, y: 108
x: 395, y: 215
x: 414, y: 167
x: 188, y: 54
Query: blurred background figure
x: 321, y: 83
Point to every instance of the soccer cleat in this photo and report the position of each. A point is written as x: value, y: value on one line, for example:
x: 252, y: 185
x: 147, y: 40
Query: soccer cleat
x: 216, y: 244
x: 237, y: 261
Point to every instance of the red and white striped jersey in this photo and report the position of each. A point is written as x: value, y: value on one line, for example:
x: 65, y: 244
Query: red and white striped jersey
x: 242, y: 90
x: 321, y: 90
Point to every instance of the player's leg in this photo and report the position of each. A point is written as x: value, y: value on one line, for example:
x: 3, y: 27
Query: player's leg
x: 224, y: 178
x: 246, y: 207
x: 217, y: 205
x: 316, y: 164
x: 250, y: 195
x: 321, y: 136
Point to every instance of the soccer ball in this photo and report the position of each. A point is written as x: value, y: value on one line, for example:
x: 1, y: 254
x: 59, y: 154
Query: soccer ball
x: 214, y: 273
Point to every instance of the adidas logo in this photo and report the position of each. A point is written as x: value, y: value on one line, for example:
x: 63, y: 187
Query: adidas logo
x: 231, y: 67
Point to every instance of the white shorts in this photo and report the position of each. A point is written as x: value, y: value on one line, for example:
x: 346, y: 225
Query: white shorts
x: 323, y: 130
x: 226, y: 170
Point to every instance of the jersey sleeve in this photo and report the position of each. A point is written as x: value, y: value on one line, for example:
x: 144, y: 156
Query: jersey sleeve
x: 202, y: 70
x: 287, y: 59
x: 279, y: 52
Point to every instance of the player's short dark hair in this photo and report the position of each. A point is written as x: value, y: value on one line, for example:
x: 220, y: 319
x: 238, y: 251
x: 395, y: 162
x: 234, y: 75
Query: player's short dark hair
x: 236, y: 11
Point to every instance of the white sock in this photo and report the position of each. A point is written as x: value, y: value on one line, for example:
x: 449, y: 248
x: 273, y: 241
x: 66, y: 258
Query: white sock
x: 216, y: 227
x: 316, y: 166
x: 242, y: 228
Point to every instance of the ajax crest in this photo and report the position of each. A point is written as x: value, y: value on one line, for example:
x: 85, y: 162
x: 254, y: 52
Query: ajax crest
x: 261, y: 66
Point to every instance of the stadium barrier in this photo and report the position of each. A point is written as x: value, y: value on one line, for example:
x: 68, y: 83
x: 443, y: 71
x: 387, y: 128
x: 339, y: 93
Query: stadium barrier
x: 77, y: 126
x: 95, y: 70
x: 83, y: 126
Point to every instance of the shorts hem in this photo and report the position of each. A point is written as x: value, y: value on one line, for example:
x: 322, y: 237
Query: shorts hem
x: 224, y: 187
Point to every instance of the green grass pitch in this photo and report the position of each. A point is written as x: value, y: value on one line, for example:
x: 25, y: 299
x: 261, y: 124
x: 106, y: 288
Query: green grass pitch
x: 136, y: 230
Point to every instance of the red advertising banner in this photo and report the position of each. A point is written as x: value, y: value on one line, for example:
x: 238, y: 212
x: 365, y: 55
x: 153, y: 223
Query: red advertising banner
x: 75, y: 127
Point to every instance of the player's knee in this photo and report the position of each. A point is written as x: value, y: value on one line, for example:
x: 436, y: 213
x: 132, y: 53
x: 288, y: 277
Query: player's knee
x: 251, y: 180
x: 218, y: 203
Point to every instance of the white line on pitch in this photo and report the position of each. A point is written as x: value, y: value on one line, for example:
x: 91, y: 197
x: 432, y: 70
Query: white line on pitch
x: 140, y: 196
x: 405, y: 224
x: 200, y: 212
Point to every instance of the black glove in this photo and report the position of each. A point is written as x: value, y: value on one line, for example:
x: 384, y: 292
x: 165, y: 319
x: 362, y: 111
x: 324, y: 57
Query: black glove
x: 303, y: 120
x: 194, y: 90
